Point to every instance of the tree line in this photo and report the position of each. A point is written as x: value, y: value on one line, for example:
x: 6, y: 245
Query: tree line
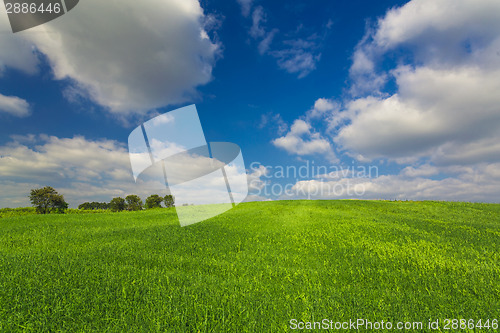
x: 46, y: 200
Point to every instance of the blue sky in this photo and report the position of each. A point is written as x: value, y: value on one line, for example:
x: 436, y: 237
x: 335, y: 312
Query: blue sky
x: 406, y: 88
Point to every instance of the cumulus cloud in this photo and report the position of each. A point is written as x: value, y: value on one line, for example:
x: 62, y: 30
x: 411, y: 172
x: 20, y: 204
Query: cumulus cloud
x: 440, y: 117
x: 322, y: 107
x: 486, y: 150
x: 14, y: 105
x: 98, y: 170
x: 15, y: 194
x: 127, y: 56
x: 81, y: 169
x: 301, y: 140
x: 433, y: 23
x: 479, y: 183
x: 425, y: 170
x: 447, y: 75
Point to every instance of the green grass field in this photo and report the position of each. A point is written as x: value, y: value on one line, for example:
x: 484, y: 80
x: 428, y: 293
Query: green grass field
x: 252, y: 269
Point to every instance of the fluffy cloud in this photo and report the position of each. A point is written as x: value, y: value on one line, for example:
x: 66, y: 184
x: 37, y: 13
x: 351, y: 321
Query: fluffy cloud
x: 440, y: 118
x: 478, y: 183
x: 322, y: 107
x: 80, y: 169
x: 86, y: 170
x: 302, y: 141
x: 446, y: 103
x: 425, y: 170
x: 14, y: 106
x: 434, y: 23
x: 127, y: 56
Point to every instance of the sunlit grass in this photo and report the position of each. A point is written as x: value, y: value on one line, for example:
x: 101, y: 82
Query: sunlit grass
x: 251, y: 269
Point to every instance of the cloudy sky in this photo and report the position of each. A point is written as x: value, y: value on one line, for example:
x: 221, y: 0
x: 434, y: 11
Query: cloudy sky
x: 327, y: 99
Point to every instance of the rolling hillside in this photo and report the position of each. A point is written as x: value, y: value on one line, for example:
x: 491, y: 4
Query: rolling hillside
x: 254, y: 268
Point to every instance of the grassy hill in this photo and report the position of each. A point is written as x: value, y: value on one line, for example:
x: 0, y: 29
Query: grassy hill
x: 252, y: 269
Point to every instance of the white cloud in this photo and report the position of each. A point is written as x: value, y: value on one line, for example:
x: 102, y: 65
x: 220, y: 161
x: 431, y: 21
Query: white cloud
x: 446, y: 103
x: 87, y: 170
x: 265, y: 43
x: 80, y: 169
x: 15, y: 194
x: 446, y: 21
x: 14, y: 105
x: 54, y: 157
x: 322, y: 107
x: 259, y: 32
x: 457, y: 153
x: 258, y: 17
x: 299, y: 56
x: 15, y: 52
x: 163, y: 119
x: 442, y: 34
x: 363, y: 74
x: 422, y: 171
x: 302, y: 141
x: 479, y: 183
x: 441, y: 118
x: 127, y: 56
x: 255, y: 182
x: 297, y: 61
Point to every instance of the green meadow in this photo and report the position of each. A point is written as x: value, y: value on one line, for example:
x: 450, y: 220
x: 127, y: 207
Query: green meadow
x: 251, y: 269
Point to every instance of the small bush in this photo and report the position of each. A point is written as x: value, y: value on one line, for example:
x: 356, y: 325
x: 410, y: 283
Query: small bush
x: 8, y: 212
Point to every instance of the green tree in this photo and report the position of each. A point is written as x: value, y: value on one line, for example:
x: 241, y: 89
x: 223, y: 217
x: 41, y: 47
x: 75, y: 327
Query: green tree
x: 93, y: 205
x: 169, y: 201
x: 85, y: 206
x: 154, y: 201
x: 133, y: 202
x: 117, y: 204
x: 103, y: 205
x: 47, y: 200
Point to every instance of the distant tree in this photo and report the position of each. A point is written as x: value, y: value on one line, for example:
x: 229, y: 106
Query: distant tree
x: 154, y: 201
x: 84, y: 206
x: 47, y: 200
x: 117, y: 204
x: 169, y: 201
x: 133, y: 202
x: 93, y: 205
